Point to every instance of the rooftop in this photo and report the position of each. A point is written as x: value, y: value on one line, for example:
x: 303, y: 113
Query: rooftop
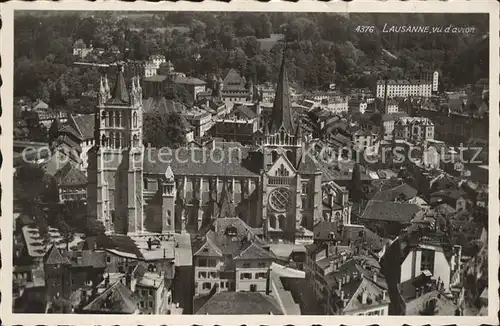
x: 240, y: 303
x: 390, y: 211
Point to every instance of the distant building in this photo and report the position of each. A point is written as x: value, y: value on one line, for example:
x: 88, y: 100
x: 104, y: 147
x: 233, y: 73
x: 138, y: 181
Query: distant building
x: 150, y: 69
x: 414, y: 129
x: 364, y: 139
x: 80, y: 49
x: 404, y: 88
x: 239, y: 125
x: 157, y: 60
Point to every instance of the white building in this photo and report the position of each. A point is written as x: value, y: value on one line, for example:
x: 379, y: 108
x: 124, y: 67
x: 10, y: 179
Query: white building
x: 150, y: 69
x: 414, y: 129
x: 157, y: 60
x: 404, y: 88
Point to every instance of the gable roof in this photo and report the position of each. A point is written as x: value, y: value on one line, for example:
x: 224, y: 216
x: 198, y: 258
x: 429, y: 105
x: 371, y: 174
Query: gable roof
x: 69, y: 175
x: 252, y: 251
x: 55, y: 257
x: 115, y: 243
x: 392, y: 194
x: 373, y: 292
x: 85, y: 124
x: 244, y: 110
x: 390, y: 211
x: 282, y: 160
x: 116, y: 299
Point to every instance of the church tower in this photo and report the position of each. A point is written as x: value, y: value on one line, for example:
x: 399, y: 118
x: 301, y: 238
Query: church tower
x: 281, y: 184
x: 116, y: 161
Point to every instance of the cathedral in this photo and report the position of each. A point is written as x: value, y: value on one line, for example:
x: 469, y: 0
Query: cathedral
x: 272, y: 185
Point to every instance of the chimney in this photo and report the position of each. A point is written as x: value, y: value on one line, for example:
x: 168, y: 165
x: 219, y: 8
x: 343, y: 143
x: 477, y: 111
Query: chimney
x: 364, y: 297
x: 375, y: 277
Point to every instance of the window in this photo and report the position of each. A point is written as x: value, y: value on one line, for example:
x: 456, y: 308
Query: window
x: 150, y: 304
x: 262, y: 265
x: 253, y: 287
x: 260, y: 275
x: 202, y: 275
x: 103, y: 118
x: 111, y: 119
x: 427, y: 262
x: 202, y: 262
x: 246, y: 265
x: 108, y: 259
x: 304, y: 188
x: 213, y: 275
x: 135, y: 141
x: 117, y: 119
x: 134, y: 120
x: 222, y: 285
x: 207, y: 286
x: 245, y: 276
x: 212, y: 263
x: 142, y: 304
x: 144, y: 292
x: 118, y: 140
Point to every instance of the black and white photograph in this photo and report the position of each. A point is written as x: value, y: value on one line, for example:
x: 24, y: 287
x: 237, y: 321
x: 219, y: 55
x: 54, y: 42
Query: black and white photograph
x: 251, y: 163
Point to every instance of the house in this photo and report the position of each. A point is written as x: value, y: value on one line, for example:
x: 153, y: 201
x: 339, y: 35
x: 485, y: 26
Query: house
x: 388, y: 218
x: 71, y: 183
x: 240, y: 303
x: 456, y: 198
x: 364, y: 139
x: 80, y: 49
x: 231, y: 257
x: 157, y: 60
x: 239, y: 125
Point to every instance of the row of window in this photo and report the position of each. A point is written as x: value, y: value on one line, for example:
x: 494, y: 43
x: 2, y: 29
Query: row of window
x: 116, y: 119
x: 208, y: 275
x: 380, y: 312
x: 117, y: 140
x: 248, y: 276
x: 204, y: 262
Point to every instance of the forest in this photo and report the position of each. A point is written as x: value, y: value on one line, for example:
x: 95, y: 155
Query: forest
x: 322, y: 47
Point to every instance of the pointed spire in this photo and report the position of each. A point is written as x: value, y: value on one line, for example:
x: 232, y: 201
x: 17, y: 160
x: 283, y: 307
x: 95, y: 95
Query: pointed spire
x: 169, y: 175
x: 120, y: 93
x: 106, y: 87
x: 282, y: 107
x: 226, y: 207
x: 102, y: 90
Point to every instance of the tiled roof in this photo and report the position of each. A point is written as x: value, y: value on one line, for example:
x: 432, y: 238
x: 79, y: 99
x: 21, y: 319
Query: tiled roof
x: 55, y: 257
x: 240, y: 303
x: 179, y: 79
x: 116, y: 299
x: 231, y: 79
x: 69, y: 175
x: 85, y: 124
x: 252, y: 251
x: 198, y: 162
x: 155, y: 78
x: 208, y: 249
x: 87, y: 258
x: 120, y: 243
x: 373, y: 292
x: 162, y: 105
x: 389, y: 211
x: 245, y: 110
x: 391, y: 195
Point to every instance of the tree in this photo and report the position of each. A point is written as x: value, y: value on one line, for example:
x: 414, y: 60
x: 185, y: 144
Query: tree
x: 164, y: 130
x: 178, y: 93
x: 93, y: 227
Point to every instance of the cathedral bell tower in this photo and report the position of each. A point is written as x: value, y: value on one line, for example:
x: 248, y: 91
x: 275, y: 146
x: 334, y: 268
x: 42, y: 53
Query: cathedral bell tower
x: 116, y: 161
x: 168, y: 196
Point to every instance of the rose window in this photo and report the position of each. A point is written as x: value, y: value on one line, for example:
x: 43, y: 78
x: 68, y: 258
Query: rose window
x: 279, y: 199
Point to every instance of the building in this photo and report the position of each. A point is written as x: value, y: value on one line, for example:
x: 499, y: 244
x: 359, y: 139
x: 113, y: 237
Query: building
x: 157, y: 60
x: 272, y: 185
x: 80, y: 49
x: 388, y: 218
x: 154, y: 86
x: 150, y: 69
x: 231, y: 257
x: 235, y: 88
x: 201, y: 121
x: 76, y: 135
x: 240, y: 124
x: 364, y: 139
x: 414, y: 129
x: 71, y: 184
x: 404, y: 88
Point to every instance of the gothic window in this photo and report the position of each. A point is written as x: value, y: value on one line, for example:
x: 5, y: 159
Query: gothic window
x: 279, y: 199
x: 134, y: 120
x: 136, y: 141
x: 119, y: 137
x: 145, y: 181
x: 103, y: 118
x: 112, y: 140
x: 111, y: 119
x: 117, y: 119
x: 104, y: 140
x: 272, y: 221
x: 282, y: 171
